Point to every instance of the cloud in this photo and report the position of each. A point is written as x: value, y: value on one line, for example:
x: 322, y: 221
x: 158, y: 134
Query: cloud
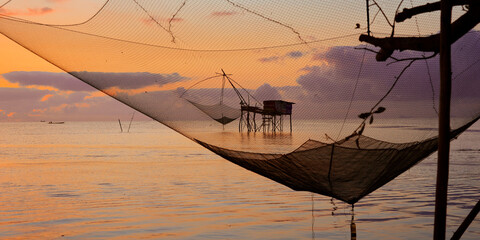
x: 68, y: 108
x: 343, y: 70
x: 267, y: 92
x: 4, y: 114
x: 289, y: 55
x: 26, y: 104
x: 223, y: 13
x: 60, y: 81
x: 269, y: 59
x: 46, y: 97
x: 337, y: 78
x: 339, y: 70
x: 294, y: 54
x: 28, y: 12
x: 128, y: 80
x: 19, y: 100
x: 21, y: 94
x: 103, y: 80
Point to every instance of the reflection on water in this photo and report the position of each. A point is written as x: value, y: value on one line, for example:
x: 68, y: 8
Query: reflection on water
x: 88, y: 181
x: 390, y: 130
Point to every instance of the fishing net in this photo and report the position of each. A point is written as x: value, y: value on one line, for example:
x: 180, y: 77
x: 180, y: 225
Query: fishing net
x: 282, y: 88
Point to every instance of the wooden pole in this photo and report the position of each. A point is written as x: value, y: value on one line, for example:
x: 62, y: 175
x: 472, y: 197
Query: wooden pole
x: 240, y: 122
x: 468, y: 220
x: 368, y: 18
x: 130, y: 124
x: 444, y: 122
x: 290, y: 123
x: 120, y: 123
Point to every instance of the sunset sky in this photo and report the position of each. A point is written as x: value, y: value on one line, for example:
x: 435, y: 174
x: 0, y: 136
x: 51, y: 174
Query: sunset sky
x: 42, y: 102
x: 32, y: 89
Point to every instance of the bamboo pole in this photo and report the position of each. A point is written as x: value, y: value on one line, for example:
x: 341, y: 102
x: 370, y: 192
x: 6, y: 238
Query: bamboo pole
x: 130, y: 124
x: 444, y: 122
x: 368, y: 18
x: 120, y: 123
x: 466, y: 222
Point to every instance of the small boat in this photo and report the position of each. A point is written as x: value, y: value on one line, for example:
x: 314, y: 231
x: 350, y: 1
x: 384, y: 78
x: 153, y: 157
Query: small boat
x: 55, y: 122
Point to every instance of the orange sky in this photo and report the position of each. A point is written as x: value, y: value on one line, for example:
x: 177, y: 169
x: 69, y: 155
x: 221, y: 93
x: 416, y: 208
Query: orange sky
x: 276, y: 68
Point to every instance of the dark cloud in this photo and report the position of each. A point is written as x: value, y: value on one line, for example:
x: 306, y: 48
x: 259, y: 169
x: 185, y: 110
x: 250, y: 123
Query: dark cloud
x: 347, y: 68
x: 342, y: 70
x: 102, y: 80
x: 292, y: 54
x: 267, y: 92
x: 338, y: 78
x: 128, y: 80
x: 269, y: 59
x: 295, y: 54
x: 61, y: 81
x: 15, y: 95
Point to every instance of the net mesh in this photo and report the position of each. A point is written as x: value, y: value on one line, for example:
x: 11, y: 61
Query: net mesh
x: 356, y: 122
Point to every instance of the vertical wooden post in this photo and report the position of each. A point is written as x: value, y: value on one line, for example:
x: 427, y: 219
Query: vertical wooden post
x: 290, y: 123
x: 444, y: 122
x: 120, y: 123
x: 368, y: 18
x: 468, y: 220
x: 131, y: 119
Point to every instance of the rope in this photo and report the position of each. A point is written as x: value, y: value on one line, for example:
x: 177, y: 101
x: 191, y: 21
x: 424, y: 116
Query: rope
x: 60, y: 27
x: 155, y: 20
x: 466, y: 69
x: 229, y: 78
x: 428, y: 67
x: 386, y: 94
x: 269, y: 19
x: 353, y: 95
x: 5, y: 3
x: 55, y: 25
x: 203, y: 80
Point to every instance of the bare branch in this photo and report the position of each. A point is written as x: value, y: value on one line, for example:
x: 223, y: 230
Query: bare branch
x: 413, y: 58
x: 396, y: 11
x: 425, y: 44
x: 377, y: 52
x: 429, y: 7
x: 397, y: 78
x: 396, y: 60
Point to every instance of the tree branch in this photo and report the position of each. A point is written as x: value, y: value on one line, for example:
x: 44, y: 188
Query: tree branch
x: 429, y: 7
x: 425, y: 44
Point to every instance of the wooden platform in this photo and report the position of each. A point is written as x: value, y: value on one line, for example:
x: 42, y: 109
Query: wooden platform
x: 273, y: 113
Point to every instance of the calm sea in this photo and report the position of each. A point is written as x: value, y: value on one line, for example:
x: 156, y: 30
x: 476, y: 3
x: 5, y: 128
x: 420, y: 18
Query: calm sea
x: 86, y: 180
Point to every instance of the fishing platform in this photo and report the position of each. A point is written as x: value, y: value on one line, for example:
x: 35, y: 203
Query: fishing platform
x: 272, y: 114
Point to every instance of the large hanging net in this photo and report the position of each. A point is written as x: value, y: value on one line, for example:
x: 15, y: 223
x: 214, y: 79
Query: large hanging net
x: 282, y: 88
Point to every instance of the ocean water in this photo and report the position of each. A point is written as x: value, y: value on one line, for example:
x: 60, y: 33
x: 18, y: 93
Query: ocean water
x: 86, y: 180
